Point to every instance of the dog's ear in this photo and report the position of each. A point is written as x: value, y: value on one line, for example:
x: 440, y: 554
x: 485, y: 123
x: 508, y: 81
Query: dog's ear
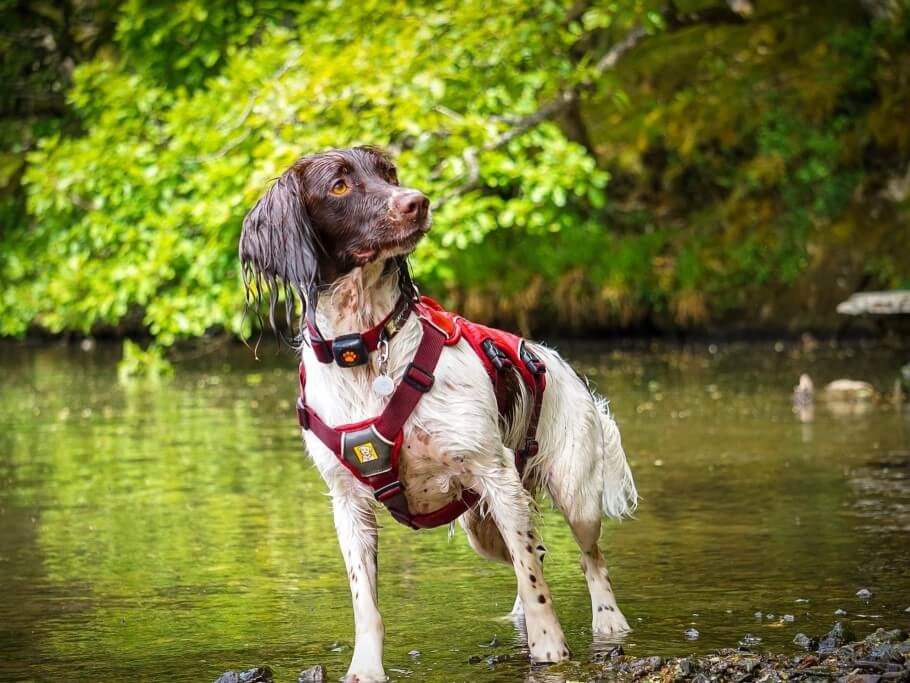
x: 279, y: 249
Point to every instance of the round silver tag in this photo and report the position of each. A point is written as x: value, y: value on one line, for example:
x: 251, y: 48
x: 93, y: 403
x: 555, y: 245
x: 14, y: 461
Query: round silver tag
x: 383, y: 385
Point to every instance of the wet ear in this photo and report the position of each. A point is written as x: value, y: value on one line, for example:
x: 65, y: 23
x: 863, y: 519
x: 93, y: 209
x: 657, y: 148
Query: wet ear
x: 278, y: 247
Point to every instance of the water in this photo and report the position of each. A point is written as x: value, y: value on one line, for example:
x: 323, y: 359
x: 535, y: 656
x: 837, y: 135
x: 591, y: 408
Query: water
x: 173, y: 531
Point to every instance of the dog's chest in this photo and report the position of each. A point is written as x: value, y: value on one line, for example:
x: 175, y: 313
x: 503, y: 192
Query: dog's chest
x: 430, y: 475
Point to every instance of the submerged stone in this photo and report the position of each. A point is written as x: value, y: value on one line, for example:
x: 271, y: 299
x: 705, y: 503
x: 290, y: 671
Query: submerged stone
x: 691, y: 634
x: 804, y: 641
x: 839, y: 635
x: 750, y: 640
x: 864, y: 594
x: 315, y: 674
x: 259, y: 674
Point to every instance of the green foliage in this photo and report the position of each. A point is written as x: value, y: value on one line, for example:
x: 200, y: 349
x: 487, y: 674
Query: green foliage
x: 713, y: 161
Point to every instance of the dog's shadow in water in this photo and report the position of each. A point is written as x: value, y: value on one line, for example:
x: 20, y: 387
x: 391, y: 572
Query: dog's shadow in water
x: 603, y: 649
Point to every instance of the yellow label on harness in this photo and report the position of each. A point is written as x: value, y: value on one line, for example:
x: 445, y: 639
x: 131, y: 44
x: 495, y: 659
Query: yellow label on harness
x: 366, y: 452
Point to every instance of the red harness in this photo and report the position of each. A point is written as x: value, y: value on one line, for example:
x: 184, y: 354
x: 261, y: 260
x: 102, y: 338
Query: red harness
x: 370, y: 449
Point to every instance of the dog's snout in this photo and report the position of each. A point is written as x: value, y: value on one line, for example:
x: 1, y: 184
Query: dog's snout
x: 412, y: 205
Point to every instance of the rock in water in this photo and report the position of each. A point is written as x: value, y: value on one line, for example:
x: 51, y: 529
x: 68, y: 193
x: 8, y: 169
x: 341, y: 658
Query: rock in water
x: 691, y: 634
x: 259, y: 674
x: 315, y: 674
x: 804, y: 641
x: 864, y: 594
x: 837, y: 636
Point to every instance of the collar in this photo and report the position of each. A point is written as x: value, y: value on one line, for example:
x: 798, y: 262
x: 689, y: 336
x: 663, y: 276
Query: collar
x: 351, y: 350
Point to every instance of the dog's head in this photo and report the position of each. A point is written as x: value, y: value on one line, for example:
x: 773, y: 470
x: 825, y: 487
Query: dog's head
x: 328, y: 214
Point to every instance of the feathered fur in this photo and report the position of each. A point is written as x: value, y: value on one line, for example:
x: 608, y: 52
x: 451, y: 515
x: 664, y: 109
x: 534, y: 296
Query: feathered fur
x: 455, y: 438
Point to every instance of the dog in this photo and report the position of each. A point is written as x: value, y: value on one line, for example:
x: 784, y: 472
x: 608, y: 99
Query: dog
x: 335, y: 231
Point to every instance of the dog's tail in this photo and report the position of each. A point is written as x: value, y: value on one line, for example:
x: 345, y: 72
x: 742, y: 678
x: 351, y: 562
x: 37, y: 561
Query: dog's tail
x: 620, y: 497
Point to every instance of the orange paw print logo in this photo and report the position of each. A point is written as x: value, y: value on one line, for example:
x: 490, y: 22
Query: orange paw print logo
x: 349, y: 356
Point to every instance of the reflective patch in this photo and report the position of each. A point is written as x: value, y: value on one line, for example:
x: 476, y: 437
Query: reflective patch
x: 366, y: 452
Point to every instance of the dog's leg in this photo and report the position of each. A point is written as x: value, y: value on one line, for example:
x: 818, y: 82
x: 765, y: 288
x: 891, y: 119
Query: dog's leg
x: 510, y: 506
x: 355, y: 522
x: 607, y: 618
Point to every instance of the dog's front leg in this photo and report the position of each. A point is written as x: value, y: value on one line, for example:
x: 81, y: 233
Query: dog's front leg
x: 355, y: 522
x: 510, y: 506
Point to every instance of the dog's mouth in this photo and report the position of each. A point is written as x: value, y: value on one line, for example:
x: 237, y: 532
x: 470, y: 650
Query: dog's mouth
x: 400, y: 244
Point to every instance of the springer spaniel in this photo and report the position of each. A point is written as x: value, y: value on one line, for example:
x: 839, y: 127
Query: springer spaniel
x: 335, y: 230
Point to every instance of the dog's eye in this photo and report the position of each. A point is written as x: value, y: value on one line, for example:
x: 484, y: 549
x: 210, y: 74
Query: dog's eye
x: 339, y: 188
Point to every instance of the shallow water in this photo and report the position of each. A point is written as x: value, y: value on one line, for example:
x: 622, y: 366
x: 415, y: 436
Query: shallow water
x: 173, y: 531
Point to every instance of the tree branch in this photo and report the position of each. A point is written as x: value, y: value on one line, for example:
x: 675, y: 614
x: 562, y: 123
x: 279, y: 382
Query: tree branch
x: 735, y: 11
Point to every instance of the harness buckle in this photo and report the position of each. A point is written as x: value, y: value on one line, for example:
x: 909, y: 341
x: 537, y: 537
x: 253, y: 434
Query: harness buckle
x: 530, y: 359
x: 349, y: 350
x: 303, y: 417
x: 497, y: 356
x: 418, y: 378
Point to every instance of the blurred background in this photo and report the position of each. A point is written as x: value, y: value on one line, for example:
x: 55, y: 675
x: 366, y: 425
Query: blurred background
x: 663, y: 167
x: 677, y: 195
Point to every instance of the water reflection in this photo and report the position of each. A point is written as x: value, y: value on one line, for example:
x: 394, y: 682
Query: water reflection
x: 175, y: 531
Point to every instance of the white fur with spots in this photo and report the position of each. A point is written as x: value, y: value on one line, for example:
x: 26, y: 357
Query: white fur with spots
x: 454, y: 440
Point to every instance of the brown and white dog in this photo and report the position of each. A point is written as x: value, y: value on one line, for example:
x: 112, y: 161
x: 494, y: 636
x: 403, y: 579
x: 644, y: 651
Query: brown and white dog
x: 335, y: 230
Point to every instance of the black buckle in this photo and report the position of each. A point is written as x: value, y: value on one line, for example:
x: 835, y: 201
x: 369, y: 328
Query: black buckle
x: 533, y: 363
x: 497, y: 356
x: 303, y: 417
x: 349, y: 350
x: 418, y: 378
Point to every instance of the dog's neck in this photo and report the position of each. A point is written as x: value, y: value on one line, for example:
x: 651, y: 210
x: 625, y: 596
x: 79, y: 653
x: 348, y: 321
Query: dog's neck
x: 358, y: 300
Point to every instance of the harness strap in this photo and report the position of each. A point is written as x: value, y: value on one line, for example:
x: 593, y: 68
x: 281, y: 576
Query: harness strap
x: 539, y: 374
x: 417, y: 380
x: 350, y: 350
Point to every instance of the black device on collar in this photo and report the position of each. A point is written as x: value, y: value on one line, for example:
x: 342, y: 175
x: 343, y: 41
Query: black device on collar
x: 350, y: 350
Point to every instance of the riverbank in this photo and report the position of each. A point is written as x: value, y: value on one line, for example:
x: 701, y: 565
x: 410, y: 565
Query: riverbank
x: 883, y: 655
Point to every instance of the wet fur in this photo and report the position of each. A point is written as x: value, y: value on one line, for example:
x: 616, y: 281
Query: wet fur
x: 455, y: 438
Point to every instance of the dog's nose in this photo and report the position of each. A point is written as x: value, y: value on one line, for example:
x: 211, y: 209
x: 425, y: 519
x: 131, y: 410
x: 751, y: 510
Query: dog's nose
x: 412, y: 204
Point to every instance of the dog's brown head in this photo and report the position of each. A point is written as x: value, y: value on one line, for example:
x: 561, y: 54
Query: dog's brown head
x: 328, y: 214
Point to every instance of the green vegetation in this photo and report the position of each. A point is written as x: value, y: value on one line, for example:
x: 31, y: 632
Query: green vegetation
x: 734, y: 164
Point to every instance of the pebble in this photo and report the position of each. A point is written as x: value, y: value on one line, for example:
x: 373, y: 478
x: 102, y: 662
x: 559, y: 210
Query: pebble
x: 864, y: 594
x: 789, y: 618
x: 315, y: 674
x: 749, y: 640
x: 837, y: 636
x: 840, y: 612
x: 804, y: 641
x: 259, y: 674
x: 691, y: 634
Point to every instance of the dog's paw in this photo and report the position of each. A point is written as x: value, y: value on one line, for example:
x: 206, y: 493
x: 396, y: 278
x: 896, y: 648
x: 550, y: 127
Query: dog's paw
x: 547, y: 644
x: 365, y: 676
x: 609, y: 620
